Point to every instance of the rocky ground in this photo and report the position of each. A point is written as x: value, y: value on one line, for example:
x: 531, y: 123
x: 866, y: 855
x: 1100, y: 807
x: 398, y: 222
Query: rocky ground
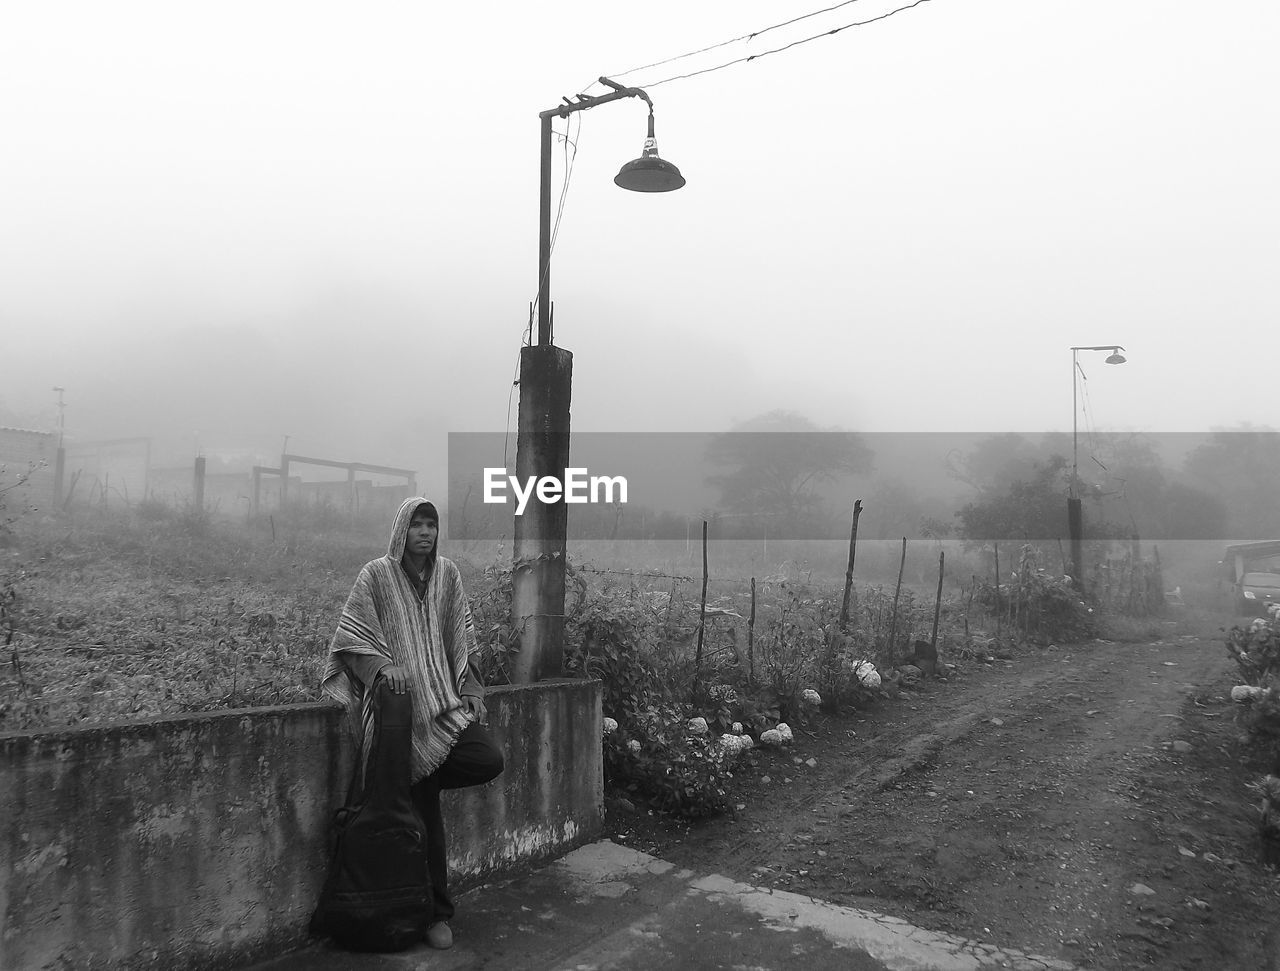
x: 1089, y: 802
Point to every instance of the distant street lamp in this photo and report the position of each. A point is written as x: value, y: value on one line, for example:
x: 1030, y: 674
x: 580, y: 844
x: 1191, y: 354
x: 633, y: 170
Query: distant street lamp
x: 1075, y: 521
x: 542, y: 438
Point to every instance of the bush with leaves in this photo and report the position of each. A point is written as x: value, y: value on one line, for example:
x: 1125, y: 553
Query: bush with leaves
x: 491, y: 614
x: 1256, y: 651
x: 654, y: 755
x: 1039, y: 603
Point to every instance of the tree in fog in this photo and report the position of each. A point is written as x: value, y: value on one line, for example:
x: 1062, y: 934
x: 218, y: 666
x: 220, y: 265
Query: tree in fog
x: 774, y: 463
x: 894, y: 508
x: 1241, y: 466
x: 1138, y: 490
x: 996, y: 462
x: 1028, y: 509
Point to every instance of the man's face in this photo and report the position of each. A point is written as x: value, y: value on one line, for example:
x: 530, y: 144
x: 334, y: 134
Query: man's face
x: 423, y: 531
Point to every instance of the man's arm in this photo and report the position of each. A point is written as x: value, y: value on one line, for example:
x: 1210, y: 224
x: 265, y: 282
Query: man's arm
x: 473, y: 686
x: 366, y: 667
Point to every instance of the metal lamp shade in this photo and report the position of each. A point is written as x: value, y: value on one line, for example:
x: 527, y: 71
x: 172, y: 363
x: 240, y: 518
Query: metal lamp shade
x: 649, y: 174
x: 1115, y: 357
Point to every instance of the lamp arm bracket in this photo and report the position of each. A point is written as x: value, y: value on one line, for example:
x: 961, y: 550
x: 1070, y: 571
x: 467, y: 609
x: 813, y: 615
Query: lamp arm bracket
x: 619, y: 91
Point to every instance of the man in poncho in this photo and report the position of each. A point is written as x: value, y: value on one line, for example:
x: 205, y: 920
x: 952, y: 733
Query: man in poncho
x: 407, y: 620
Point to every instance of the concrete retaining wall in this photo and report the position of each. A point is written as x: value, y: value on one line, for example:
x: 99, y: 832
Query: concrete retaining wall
x: 202, y: 841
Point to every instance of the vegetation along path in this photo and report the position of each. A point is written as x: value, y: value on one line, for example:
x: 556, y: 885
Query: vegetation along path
x: 1088, y: 802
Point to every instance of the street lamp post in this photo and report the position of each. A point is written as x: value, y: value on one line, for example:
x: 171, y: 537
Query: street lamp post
x: 60, y: 456
x: 1075, y: 518
x: 542, y: 438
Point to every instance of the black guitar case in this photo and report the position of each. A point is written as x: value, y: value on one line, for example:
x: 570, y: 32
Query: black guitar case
x: 378, y: 896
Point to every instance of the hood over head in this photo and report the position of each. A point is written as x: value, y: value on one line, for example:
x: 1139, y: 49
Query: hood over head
x: 400, y: 528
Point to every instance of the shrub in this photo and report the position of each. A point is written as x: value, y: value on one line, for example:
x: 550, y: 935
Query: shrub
x: 654, y: 755
x: 1039, y: 603
x: 1256, y: 651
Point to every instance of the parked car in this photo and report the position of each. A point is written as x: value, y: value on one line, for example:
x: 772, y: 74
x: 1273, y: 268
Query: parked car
x: 1258, y: 591
x: 1253, y: 570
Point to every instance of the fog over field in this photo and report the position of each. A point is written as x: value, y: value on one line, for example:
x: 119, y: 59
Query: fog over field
x: 225, y: 226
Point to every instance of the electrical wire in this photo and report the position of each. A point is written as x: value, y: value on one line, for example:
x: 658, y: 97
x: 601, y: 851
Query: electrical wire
x: 527, y: 339
x: 573, y: 143
x: 568, y: 175
x: 734, y: 40
x: 778, y: 50
x: 555, y: 229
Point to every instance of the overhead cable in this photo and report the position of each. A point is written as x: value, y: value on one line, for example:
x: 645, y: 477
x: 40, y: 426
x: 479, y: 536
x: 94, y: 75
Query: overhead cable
x: 777, y: 50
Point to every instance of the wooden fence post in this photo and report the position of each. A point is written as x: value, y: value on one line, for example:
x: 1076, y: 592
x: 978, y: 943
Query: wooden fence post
x: 937, y: 604
x: 997, y: 549
x: 702, y: 622
x: 197, y: 486
x: 893, y: 623
x: 848, y: 573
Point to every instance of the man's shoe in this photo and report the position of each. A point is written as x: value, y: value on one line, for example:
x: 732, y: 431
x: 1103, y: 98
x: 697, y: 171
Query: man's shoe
x: 440, y: 936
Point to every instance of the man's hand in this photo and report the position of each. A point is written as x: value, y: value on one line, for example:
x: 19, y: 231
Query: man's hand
x: 397, y: 677
x: 474, y: 707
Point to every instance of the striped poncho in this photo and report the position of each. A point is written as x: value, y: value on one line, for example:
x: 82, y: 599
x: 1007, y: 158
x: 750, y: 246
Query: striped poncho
x: 431, y: 639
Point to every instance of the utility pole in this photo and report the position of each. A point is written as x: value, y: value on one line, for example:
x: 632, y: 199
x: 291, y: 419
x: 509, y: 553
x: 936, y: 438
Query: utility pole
x: 60, y: 461
x: 1075, y: 516
x: 542, y: 441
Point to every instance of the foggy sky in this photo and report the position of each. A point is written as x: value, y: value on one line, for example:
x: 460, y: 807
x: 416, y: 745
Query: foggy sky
x: 224, y: 224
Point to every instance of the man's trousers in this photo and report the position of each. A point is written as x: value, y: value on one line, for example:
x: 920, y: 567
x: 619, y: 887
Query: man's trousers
x: 473, y: 761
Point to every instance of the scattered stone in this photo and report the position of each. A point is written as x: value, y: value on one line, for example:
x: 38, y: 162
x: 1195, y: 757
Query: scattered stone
x: 811, y: 763
x: 997, y: 722
x: 765, y: 778
x: 1186, y: 852
x: 1141, y: 890
x: 1197, y: 903
x: 1181, y: 746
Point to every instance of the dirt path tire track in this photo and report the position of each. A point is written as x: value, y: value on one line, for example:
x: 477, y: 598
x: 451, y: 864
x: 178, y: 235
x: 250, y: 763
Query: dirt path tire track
x: 1020, y: 804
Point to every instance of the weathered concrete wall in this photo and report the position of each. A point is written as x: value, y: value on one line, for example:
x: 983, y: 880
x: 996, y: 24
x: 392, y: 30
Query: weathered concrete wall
x: 202, y: 841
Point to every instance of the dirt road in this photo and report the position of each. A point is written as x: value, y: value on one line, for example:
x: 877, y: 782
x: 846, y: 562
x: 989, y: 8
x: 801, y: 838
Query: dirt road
x: 1087, y: 802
